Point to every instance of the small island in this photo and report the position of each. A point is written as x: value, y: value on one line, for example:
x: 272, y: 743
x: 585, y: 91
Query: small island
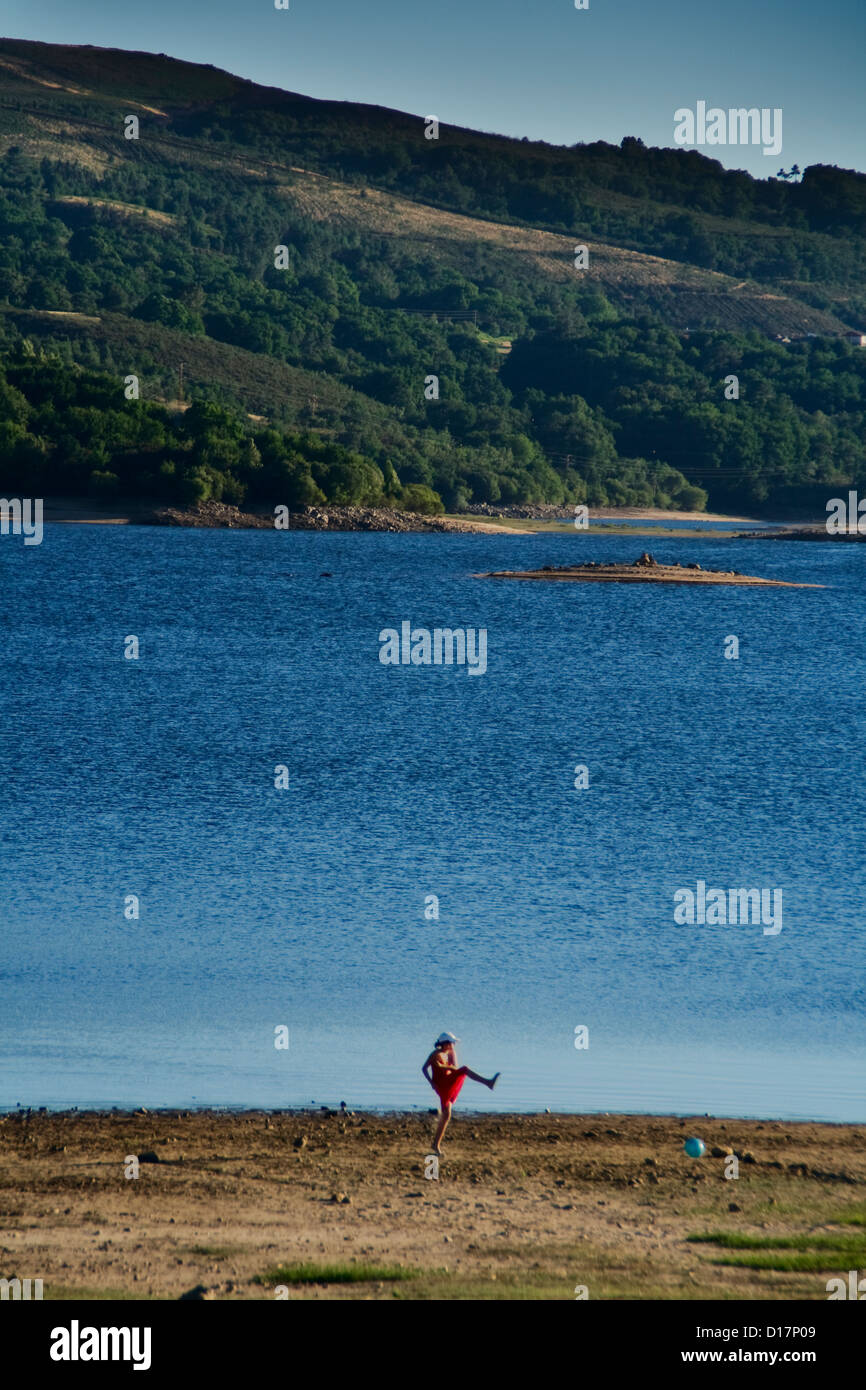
x: 644, y: 570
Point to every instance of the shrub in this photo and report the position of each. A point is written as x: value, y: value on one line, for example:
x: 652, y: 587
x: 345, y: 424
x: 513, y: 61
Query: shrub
x: 415, y: 497
x: 103, y: 484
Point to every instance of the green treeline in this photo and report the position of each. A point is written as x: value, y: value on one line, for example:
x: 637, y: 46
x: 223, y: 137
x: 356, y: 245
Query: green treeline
x: 65, y: 430
x: 797, y: 428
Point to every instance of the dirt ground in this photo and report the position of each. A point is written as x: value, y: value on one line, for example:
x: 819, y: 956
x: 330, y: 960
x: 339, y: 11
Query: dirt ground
x: 525, y: 1206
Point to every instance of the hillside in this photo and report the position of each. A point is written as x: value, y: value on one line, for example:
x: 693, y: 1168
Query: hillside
x: 407, y: 257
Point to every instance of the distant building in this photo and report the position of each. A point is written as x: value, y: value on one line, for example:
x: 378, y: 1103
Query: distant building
x: 856, y: 339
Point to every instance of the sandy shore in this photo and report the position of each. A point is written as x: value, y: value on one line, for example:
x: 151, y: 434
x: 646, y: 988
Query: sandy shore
x: 657, y: 514
x: 525, y: 1206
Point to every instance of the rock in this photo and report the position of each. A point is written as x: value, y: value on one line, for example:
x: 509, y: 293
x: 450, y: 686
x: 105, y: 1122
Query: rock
x: 748, y: 1157
x: 717, y: 1152
x: 149, y: 1157
x: 733, y: 1206
x: 301, y: 1142
x: 341, y: 1199
x: 196, y: 1294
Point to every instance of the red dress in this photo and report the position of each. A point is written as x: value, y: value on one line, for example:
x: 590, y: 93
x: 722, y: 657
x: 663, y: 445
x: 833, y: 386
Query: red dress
x: 448, y: 1080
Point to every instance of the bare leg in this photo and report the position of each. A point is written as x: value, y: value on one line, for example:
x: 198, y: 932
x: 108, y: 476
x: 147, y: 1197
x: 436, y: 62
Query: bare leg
x: 489, y: 1081
x: 444, y: 1117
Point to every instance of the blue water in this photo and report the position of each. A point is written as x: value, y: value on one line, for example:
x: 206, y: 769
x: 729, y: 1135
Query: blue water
x: 305, y: 907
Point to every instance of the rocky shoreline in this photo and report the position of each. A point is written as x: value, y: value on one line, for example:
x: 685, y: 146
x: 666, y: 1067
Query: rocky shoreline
x: 482, y: 518
x: 221, y: 515
x: 801, y: 533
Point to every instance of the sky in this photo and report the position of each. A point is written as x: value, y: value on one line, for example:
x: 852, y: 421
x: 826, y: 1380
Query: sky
x: 536, y: 68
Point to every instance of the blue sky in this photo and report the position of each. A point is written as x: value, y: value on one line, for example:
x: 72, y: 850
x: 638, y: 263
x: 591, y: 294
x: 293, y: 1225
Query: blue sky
x: 538, y: 68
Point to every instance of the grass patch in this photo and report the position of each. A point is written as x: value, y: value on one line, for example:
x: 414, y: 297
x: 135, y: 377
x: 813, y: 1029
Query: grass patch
x: 482, y: 1288
x: 832, y: 1262
x: 335, y: 1274
x: 735, y: 1240
x: 855, y: 1217
x: 815, y: 1253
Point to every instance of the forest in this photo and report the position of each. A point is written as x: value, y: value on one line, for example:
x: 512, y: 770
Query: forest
x: 71, y: 431
x: 365, y: 366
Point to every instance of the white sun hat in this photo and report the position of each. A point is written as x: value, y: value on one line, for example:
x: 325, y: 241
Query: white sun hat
x: 446, y: 1038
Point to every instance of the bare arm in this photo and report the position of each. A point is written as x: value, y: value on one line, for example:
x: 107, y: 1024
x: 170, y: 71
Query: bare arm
x: 427, y: 1068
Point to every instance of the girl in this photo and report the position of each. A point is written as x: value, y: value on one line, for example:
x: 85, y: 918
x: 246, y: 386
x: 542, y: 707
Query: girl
x: 446, y: 1078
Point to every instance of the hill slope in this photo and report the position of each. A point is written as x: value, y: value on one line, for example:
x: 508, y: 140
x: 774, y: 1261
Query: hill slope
x: 406, y: 259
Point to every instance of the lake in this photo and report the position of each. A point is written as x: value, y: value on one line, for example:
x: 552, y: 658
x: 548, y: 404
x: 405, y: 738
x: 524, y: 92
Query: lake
x: 311, y: 907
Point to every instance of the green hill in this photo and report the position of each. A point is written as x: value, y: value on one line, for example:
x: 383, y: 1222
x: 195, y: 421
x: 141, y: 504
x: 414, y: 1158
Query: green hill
x: 407, y: 259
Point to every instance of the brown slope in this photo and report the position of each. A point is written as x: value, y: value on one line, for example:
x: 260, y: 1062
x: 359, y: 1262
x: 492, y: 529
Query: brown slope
x: 686, y: 295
